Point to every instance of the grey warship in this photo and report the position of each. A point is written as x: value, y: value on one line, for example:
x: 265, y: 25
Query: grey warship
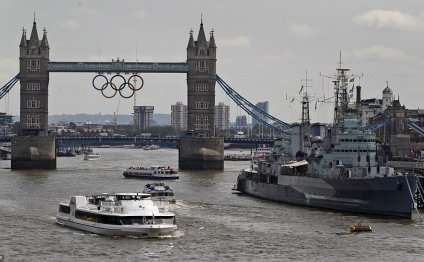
x: 333, y: 167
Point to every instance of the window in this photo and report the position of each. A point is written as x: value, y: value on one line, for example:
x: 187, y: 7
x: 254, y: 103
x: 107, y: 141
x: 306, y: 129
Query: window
x: 33, y: 65
x: 33, y: 103
x: 202, y: 86
x: 205, y: 123
x: 202, y: 105
x: 33, y: 121
x: 33, y: 86
x: 64, y: 209
x: 201, y: 123
x: 202, y: 52
x: 202, y: 66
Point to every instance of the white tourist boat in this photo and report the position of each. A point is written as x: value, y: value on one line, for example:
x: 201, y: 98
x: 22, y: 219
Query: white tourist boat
x: 153, y: 172
x: 92, y: 156
x: 119, y: 214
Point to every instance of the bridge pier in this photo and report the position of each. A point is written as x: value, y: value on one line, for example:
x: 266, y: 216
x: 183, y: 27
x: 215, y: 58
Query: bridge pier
x: 201, y: 153
x: 33, y: 152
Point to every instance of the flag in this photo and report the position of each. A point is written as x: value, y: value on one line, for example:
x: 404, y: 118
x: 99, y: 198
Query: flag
x: 316, y: 105
x: 352, y: 79
x: 292, y: 100
x: 301, y: 89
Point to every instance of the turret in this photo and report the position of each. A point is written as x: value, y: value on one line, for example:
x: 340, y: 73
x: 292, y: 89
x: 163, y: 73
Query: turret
x: 387, y: 97
x: 23, y: 39
x: 44, y: 42
x: 212, y: 40
x: 212, y: 45
x: 45, y: 45
x: 190, y: 40
x: 23, y: 46
x: 191, y: 47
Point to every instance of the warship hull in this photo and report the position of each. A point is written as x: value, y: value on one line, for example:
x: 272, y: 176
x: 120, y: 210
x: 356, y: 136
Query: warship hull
x: 385, y: 196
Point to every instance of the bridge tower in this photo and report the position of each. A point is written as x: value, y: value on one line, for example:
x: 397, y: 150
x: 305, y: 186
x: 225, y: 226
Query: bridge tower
x: 32, y: 148
x: 201, y: 62
x: 202, y: 150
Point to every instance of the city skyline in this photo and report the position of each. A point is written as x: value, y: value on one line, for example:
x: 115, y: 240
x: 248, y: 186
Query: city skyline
x: 263, y: 55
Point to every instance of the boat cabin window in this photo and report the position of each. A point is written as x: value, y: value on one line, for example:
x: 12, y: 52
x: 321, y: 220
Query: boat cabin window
x: 64, y: 209
x: 131, y: 197
x: 118, y: 220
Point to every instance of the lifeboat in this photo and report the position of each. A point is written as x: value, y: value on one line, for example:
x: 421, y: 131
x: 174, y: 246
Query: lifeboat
x: 360, y: 228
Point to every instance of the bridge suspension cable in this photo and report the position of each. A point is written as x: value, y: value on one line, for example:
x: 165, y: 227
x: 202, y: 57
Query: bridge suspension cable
x: 8, y: 86
x: 257, y: 113
x: 376, y: 126
x: 415, y: 127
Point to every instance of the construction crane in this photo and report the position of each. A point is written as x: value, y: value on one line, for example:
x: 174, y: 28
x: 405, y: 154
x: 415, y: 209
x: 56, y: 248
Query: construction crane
x: 115, y: 114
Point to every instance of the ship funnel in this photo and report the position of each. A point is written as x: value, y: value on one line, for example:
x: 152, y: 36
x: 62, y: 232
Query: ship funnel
x: 358, y: 95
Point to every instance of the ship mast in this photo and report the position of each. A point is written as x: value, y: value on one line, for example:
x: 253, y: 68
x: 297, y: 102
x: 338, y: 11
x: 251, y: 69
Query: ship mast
x: 306, y: 121
x: 340, y: 94
x: 305, y: 104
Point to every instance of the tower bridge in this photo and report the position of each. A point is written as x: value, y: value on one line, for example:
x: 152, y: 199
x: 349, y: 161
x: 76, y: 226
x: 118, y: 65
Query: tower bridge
x: 34, y: 149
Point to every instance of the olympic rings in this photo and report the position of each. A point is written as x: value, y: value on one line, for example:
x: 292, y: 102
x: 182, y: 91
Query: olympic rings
x: 135, y: 82
x: 118, y: 84
x: 121, y: 86
x: 128, y: 96
x: 103, y: 86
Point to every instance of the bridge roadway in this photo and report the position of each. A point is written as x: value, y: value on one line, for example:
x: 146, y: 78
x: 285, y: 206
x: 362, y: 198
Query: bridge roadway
x: 167, y: 141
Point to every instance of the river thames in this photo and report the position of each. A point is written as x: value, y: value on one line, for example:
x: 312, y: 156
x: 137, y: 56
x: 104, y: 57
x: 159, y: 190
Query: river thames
x: 213, y: 223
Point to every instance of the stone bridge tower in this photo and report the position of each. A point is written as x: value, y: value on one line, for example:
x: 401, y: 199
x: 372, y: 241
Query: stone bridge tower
x: 201, y: 61
x: 33, y: 148
x: 202, y: 150
x: 33, y: 58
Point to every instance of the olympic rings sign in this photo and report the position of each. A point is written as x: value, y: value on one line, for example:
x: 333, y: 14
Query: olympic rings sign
x: 118, y: 84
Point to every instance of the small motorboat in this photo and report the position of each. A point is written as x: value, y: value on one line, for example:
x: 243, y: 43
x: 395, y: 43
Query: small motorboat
x: 360, y: 228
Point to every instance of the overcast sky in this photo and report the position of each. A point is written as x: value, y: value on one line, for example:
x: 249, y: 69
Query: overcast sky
x: 264, y: 48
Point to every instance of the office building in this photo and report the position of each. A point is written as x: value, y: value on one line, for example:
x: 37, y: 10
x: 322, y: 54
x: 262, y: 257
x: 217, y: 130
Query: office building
x: 264, y: 106
x: 179, y: 116
x: 222, y: 116
x: 143, y: 117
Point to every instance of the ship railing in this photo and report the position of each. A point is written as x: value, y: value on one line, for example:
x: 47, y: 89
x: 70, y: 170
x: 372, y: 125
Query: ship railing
x: 412, y: 196
x: 420, y: 191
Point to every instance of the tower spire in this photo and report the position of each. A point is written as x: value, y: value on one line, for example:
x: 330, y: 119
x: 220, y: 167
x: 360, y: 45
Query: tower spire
x: 23, y: 39
x: 44, y: 42
x: 212, y: 40
x: 191, y: 40
x: 33, y: 39
x: 201, y: 37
